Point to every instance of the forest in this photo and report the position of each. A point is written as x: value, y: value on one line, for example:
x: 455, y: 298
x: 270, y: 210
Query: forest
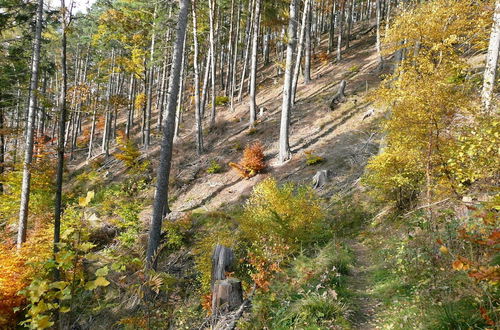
x: 249, y: 164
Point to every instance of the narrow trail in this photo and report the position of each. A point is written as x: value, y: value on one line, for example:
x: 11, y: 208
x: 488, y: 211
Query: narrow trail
x: 359, y: 283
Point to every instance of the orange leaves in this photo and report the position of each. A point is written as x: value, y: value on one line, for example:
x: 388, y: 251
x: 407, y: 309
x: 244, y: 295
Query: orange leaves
x: 12, y: 279
x: 252, y: 162
x: 15, y: 272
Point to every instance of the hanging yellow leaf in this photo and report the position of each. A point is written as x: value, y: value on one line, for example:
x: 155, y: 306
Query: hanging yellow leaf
x: 65, y: 309
x: 101, y: 281
x: 443, y: 249
x: 102, y: 271
x: 43, y: 322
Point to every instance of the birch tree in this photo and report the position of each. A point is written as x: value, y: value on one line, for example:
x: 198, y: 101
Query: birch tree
x: 253, y: 66
x: 28, y: 152
x: 197, y: 106
x: 491, y: 60
x: 284, y: 145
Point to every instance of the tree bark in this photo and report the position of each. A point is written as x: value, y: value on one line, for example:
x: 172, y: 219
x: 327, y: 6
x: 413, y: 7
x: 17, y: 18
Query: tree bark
x: 253, y: 66
x: 340, y: 30
x: 197, y: 108
x: 377, y: 43
x: 149, y: 89
x: 212, y: 5
x: 307, y: 58
x: 296, y: 70
x: 28, y: 154
x: 235, y: 59
x: 248, y: 34
x: 178, y: 110
x: 160, y: 205
x: 491, y: 60
x: 284, y: 146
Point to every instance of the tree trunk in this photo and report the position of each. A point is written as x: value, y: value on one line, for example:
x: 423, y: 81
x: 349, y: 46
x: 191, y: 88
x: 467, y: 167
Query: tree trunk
x: 296, y: 69
x: 227, y: 295
x: 212, y: 5
x: 377, y: 43
x: 197, y: 108
x: 253, y: 66
x: 160, y: 205
x: 340, y: 30
x: 284, y: 149
x: 178, y: 110
x: 60, y: 142
x: 333, y: 20
x: 349, y: 25
x: 491, y: 60
x: 28, y: 153
x: 307, y: 58
x: 149, y: 89
x: 248, y: 33
x: 235, y: 59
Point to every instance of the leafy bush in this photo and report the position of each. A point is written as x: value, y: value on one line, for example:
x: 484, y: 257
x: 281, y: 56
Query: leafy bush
x: 221, y: 100
x: 312, y: 159
x: 354, y: 69
x: 278, y: 221
x: 252, y: 162
x: 129, y: 153
x: 214, y: 167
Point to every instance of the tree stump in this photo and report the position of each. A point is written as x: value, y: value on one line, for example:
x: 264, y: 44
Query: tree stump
x: 222, y: 261
x: 320, y: 179
x: 227, y: 295
x: 339, y: 96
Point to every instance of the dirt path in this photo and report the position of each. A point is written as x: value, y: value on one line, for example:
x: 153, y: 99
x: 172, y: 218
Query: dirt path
x: 360, y: 284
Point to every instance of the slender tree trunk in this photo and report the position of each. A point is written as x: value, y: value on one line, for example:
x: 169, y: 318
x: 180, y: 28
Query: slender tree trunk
x: 160, y: 205
x: 211, y: 15
x: 149, y: 90
x: 349, y: 25
x: 284, y: 150
x: 248, y: 33
x: 230, y: 48
x: 28, y: 153
x: 307, y: 58
x: 303, y: 26
x: 235, y: 59
x: 60, y: 142
x: 377, y: 43
x: 253, y: 66
x: 340, y: 31
x: 197, y: 108
x: 204, y: 89
x: 491, y: 60
x: 107, y: 121
x: 333, y: 20
x: 178, y: 110
x: 130, y: 112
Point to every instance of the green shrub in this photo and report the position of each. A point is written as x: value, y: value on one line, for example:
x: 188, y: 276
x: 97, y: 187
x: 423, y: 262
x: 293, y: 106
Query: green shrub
x: 354, y: 69
x: 214, y: 167
x: 221, y: 100
x: 312, y: 159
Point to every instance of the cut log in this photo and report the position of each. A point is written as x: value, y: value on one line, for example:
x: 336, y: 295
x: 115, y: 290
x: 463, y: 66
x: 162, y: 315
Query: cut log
x: 339, y: 96
x: 320, y: 179
x: 227, y: 295
x: 222, y: 261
